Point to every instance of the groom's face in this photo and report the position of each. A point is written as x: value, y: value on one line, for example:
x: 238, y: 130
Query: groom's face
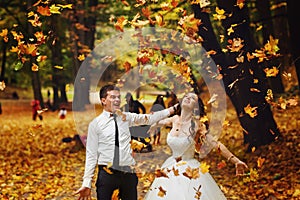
x: 112, y: 101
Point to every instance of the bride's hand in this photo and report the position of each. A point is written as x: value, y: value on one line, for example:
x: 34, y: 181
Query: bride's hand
x: 121, y: 114
x: 240, y: 168
x: 152, y: 129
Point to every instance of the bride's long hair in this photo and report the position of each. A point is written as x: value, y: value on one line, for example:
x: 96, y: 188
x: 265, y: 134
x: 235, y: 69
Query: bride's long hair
x: 196, y: 133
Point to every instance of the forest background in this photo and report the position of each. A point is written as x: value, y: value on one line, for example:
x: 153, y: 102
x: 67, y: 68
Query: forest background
x: 255, y: 45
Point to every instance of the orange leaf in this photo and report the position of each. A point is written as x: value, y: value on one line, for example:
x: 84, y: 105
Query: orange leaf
x: 121, y: 22
x: 146, y: 12
x: 175, y: 171
x: 127, y: 66
x: 160, y: 173
x: 260, y: 162
x: 125, y: 3
x: 34, y: 67
x: 45, y: 11
x: 221, y: 164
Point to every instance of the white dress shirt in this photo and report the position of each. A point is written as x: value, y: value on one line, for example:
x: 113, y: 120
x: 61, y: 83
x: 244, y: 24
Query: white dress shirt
x: 101, y: 140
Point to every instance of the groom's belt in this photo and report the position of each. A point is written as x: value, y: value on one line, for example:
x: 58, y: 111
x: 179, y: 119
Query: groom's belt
x: 118, y: 169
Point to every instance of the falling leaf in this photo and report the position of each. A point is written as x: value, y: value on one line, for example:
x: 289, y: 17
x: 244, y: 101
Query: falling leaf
x: 160, y: 173
x: 125, y: 3
x: 121, y: 22
x: 198, y: 193
x: 240, y: 59
x: 161, y: 192
x: 127, y: 66
x: 254, y: 90
x: 220, y: 14
x: 259, y: 28
x: 271, y: 72
x: 81, y: 57
x: 231, y: 84
x: 3, y: 34
x: 192, y: 173
x: 251, y: 111
x: 175, y: 171
x: 55, y: 9
x: 35, y: 22
x: 235, y: 45
x: 41, y: 58
x: 260, y: 162
x: 45, y: 11
x: 204, y: 167
x: 271, y: 46
x: 34, y: 67
x: 107, y: 169
x: 240, y: 3
x: 58, y: 67
x: 174, y: 3
x: 69, y: 6
x: 115, y: 195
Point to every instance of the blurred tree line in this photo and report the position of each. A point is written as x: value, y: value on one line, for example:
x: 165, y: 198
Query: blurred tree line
x: 45, y: 42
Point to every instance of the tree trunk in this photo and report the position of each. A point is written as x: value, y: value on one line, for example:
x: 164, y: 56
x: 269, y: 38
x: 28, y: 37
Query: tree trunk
x: 293, y: 20
x: 263, y: 7
x: 2, y: 75
x: 58, y: 76
x: 240, y: 77
x: 36, y: 83
x: 82, y: 39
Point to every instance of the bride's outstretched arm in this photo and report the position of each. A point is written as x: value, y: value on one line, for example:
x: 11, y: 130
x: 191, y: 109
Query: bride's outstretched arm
x: 240, y: 166
x: 163, y: 122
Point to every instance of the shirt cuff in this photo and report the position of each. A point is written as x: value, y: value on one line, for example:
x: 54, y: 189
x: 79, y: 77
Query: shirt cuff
x: 87, y: 183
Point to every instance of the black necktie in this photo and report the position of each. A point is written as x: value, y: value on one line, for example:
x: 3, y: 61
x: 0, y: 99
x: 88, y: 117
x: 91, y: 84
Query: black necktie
x: 116, y: 154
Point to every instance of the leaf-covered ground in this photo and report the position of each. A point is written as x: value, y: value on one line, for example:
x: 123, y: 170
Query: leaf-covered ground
x: 36, y: 164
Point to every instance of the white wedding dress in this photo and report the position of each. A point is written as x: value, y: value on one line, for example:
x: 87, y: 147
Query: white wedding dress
x: 177, y: 186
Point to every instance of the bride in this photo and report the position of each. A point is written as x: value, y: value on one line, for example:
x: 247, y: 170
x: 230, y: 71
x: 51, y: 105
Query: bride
x: 181, y: 176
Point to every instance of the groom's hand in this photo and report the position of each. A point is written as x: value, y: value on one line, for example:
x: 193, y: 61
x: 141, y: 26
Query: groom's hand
x: 84, y: 193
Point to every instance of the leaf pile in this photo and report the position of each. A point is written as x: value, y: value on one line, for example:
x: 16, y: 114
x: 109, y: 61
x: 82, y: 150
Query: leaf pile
x: 36, y: 164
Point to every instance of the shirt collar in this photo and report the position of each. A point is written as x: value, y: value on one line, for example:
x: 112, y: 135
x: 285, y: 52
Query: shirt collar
x: 106, y: 113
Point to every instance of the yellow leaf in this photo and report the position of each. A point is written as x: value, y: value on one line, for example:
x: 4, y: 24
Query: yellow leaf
x: 58, y: 67
x: 4, y: 32
x: 230, y: 30
x: 204, y: 167
x: 251, y: 111
x: 55, y: 9
x: 81, y: 57
x: 272, y: 72
x: 65, y: 6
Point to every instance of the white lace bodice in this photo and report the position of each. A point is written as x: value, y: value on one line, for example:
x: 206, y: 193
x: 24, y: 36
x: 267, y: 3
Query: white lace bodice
x: 181, y: 146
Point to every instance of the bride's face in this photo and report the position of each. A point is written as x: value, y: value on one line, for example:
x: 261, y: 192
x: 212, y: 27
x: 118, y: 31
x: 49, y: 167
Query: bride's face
x: 189, y: 101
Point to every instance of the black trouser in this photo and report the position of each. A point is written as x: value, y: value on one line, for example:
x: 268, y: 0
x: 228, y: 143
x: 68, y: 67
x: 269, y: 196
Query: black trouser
x: 107, y: 182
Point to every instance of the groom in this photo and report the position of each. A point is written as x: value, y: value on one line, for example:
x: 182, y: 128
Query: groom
x: 101, y: 145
